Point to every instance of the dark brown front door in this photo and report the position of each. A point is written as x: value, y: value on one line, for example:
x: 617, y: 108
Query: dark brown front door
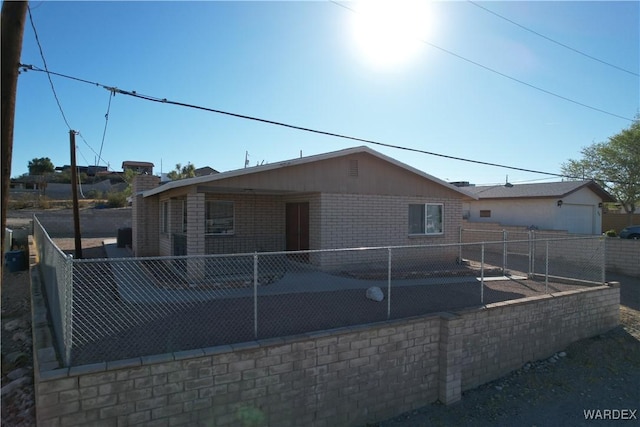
x: 297, y: 226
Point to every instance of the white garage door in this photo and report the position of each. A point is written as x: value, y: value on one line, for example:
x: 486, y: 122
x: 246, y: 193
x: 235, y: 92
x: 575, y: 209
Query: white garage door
x: 578, y: 219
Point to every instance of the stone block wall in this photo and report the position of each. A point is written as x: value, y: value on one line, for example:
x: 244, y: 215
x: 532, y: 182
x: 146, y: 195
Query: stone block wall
x: 93, y: 222
x: 506, y: 335
x: 346, y: 376
x: 623, y: 256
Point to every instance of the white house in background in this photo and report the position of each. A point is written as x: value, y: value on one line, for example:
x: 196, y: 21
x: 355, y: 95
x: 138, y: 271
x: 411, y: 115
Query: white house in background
x: 574, y: 206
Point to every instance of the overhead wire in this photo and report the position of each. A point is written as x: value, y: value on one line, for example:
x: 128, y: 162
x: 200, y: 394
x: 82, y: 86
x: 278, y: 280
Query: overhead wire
x: 44, y: 62
x: 49, y: 74
x: 106, y: 122
x: 552, y: 40
x: 295, y: 127
x: 487, y: 68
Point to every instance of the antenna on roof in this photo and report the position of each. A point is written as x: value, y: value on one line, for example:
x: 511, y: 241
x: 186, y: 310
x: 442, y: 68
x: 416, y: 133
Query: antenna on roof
x: 507, y: 183
x: 246, y: 159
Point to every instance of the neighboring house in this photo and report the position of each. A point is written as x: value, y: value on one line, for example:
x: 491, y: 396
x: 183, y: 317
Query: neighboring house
x: 29, y: 182
x: 88, y: 170
x: 355, y: 197
x: 574, y: 206
x: 205, y: 170
x: 138, y: 167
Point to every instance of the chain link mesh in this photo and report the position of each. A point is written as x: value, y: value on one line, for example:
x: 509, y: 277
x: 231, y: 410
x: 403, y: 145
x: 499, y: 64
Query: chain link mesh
x: 55, y: 269
x: 132, y: 307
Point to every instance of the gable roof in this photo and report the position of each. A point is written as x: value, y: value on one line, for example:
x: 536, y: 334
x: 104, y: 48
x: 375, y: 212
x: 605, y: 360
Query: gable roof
x: 542, y: 190
x: 301, y: 161
x: 205, y: 170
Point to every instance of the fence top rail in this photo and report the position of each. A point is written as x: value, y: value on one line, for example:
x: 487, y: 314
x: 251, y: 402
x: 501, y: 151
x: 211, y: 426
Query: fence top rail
x: 493, y: 231
x: 320, y: 251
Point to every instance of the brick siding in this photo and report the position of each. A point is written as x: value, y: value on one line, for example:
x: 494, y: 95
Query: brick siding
x: 145, y: 217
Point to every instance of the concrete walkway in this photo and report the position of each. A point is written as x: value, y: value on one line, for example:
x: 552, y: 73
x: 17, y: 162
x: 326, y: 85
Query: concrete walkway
x: 135, y: 285
x: 113, y: 251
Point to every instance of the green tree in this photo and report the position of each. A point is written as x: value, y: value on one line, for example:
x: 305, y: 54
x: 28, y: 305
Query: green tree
x: 614, y: 164
x: 128, y: 176
x: 181, y: 172
x: 40, y: 166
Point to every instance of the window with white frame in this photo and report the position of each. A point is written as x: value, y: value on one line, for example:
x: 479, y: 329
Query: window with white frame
x: 219, y: 217
x: 164, y: 217
x: 426, y: 218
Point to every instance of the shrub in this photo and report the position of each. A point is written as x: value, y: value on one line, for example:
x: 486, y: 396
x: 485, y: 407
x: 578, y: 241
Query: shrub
x: 94, y: 194
x: 116, y: 199
x: 44, y: 202
x: 21, y: 201
x: 611, y: 233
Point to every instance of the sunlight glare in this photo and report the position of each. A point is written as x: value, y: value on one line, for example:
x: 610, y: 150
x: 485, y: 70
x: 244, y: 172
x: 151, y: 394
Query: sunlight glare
x: 391, y: 33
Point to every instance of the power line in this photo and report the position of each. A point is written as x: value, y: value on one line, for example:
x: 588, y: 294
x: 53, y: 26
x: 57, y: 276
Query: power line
x: 296, y: 127
x: 46, y: 70
x: 106, y: 122
x: 552, y: 40
x: 286, y: 125
x: 87, y: 144
x: 522, y: 82
x: 44, y: 61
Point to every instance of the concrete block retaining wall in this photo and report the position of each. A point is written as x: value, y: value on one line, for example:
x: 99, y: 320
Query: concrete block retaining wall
x: 93, y: 222
x: 347, y: 376
x: 623, y: 256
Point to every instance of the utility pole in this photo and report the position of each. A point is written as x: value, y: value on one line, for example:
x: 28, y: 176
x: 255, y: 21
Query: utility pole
x: 11, y: 32
x: 74, y: 192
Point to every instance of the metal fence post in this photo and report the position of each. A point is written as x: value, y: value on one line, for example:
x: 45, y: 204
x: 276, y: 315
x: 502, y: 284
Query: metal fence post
x: 603, y: 247
x: 504, y: 252
x: 546, y: 268
x: 531, y: 253
x: 482, y: 274
x: 389, y: 285
x: 460, y: 246
x: 68, y: 309
x: 255, y: 295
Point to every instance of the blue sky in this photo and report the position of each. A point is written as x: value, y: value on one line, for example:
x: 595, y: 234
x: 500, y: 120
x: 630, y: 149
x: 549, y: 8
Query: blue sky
x: 300, y: 63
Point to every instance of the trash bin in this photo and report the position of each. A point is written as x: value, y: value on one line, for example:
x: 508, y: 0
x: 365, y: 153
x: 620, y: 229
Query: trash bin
x: 125, y: 237
x: 15, y: 260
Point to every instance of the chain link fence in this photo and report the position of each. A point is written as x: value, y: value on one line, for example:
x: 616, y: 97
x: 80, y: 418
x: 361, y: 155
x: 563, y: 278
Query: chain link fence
x: 55, y: 268
x: 535, y: 254
x: 114, y: 309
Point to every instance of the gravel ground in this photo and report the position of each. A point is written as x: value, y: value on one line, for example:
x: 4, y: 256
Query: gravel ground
x: 601, y: 373
x: 18, y: 399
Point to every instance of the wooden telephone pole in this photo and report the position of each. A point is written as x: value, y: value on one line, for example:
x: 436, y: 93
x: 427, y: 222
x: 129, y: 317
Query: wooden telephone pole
x: 11, y: 32
x: 74, y: 192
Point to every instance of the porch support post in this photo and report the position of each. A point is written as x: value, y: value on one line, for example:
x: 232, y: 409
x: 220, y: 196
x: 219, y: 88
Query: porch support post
x: 195, y: 236
x: 145, y: 222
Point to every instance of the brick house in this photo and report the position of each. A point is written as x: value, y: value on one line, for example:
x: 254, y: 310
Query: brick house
x: 355, y: 197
